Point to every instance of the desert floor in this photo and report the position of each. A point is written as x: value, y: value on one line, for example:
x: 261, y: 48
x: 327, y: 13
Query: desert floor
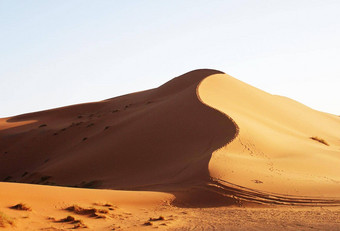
x: 121, y: 210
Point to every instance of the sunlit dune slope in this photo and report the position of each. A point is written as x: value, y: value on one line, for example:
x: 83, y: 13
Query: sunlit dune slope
x: 273, y: 151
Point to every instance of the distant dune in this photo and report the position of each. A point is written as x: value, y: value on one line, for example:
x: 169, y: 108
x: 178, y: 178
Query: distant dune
x: 204, y: 137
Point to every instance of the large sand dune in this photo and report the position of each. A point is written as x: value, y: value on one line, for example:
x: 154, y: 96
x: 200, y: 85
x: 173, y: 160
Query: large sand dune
x: 203, y: 136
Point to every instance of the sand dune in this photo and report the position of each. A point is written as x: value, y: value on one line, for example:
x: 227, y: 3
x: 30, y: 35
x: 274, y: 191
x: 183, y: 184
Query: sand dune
x: 161, y: 139
x: 205, y: 137
x: 274, y: 152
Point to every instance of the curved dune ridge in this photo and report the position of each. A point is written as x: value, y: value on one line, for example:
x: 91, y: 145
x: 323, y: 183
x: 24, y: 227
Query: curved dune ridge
x: 161, y: 139
x: 203, y: 136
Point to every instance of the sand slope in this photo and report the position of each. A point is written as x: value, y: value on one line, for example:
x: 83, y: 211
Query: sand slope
x: 203, y: 136
x: 273, y: 152
x: 158, y: 139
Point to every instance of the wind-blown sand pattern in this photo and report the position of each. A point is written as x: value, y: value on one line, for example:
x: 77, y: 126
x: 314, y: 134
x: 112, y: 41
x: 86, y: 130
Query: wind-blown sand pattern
x: 203, y: 139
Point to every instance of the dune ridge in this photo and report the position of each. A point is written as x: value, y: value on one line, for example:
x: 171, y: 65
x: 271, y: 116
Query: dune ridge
x: 161, y: 140
x: 196, y: 136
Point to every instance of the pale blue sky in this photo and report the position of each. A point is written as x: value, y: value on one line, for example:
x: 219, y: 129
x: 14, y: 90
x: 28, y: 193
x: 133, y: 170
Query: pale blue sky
x: 57, y: 53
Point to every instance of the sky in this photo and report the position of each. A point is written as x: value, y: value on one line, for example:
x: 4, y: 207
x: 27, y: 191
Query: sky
x: 58, y: 53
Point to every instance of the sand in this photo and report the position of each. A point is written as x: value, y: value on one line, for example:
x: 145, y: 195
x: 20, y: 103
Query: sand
x: 198, y: 148
x: 274, y: 152
x: 121, y: 209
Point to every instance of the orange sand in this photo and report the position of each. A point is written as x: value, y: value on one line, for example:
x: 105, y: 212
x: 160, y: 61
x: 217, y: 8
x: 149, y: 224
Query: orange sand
x: 203, y: 139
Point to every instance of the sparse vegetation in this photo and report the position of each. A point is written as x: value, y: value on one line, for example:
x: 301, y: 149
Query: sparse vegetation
x: 21, y: 206
x: 72, y: 220
x: 67, y: 219
x: 5, y: 220
x: 148, y: 223
x: 160, y: 218
x: 92, y: 212
x: 319, y: 140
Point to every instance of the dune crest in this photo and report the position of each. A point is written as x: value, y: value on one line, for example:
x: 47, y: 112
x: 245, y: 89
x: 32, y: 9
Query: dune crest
x: 204, y: 136
x: 161, y: 139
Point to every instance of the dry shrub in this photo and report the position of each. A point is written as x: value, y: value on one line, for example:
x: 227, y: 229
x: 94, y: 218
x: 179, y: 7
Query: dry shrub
x: 93, y: 212
x: 21, y: 206
x: 160, y: 218
x: 72, y: 220
x: 67, y: 219
x: 319, y: 140
x: 148, y: 223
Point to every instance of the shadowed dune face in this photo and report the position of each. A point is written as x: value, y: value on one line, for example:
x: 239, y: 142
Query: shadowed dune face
x: 161, y: 139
